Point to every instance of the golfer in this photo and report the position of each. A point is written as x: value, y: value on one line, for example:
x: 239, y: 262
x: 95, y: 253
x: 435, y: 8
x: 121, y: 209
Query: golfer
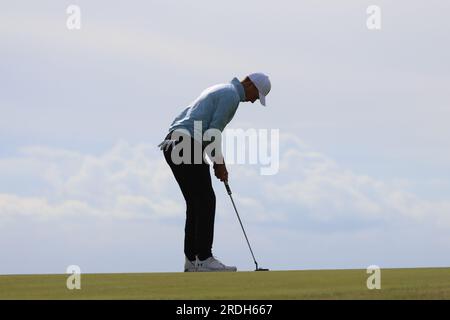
x: 213, y: 109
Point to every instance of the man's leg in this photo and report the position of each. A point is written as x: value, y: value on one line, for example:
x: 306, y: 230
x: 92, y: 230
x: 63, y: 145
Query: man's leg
x: 201, y: 204
x: 195, y: 183
x: 204, y: 217
x: 205, y: 209
x: 184, y: 175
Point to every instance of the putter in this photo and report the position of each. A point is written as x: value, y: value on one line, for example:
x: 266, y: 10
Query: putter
x: 251, y: 251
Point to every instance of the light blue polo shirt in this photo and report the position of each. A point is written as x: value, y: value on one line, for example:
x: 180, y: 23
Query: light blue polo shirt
x: 215, y: 107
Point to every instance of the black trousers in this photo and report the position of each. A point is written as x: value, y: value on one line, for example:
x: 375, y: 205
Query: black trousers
x: 195, y: 184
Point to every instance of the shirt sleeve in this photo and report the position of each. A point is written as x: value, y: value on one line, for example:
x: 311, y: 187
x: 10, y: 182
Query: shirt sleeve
x: 225, y: 111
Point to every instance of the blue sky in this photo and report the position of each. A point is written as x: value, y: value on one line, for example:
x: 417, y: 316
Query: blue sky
x: 363, y: 117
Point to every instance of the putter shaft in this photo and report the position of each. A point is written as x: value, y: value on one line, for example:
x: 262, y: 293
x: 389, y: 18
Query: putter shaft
x: 240, y: 222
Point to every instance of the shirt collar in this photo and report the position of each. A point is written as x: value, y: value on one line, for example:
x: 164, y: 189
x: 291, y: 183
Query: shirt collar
x: 239, y: 87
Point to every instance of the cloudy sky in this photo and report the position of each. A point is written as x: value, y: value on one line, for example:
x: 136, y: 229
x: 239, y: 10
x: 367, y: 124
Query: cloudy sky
x: 364, y: 175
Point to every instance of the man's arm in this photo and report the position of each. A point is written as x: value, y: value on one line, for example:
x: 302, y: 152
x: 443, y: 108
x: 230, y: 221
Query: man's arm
x: 224, y: 113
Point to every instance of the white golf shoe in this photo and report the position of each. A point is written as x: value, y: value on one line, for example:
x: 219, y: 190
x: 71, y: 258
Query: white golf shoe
x: 190, y: 266
x: 212, y: 264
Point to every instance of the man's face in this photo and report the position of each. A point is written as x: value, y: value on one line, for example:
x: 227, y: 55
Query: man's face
x: 252, y: 93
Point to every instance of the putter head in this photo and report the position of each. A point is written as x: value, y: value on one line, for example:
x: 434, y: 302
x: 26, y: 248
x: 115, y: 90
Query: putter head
x: 261, y: 269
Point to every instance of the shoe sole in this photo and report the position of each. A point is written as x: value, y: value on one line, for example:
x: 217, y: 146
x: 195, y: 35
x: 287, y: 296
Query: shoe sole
x: 215, y: 270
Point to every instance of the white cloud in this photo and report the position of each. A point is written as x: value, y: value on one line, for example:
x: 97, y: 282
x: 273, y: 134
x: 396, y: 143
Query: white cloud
x: 311, y: 184
x: 126, y: 181
x: 133, y: 181
x: 39, y: 207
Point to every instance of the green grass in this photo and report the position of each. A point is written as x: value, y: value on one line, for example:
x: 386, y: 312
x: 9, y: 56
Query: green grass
x: 432, y: 283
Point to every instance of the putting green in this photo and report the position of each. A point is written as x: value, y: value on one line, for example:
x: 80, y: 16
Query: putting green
x: 431, y: 283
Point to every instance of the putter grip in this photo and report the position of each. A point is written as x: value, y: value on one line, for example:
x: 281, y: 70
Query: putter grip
x: 227, y: 187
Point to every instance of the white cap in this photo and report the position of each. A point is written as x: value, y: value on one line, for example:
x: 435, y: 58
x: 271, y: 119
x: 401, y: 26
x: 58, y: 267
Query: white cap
x: 262, y: 83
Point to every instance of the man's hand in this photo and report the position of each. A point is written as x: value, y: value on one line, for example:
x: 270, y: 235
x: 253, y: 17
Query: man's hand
x: 220, y: 171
